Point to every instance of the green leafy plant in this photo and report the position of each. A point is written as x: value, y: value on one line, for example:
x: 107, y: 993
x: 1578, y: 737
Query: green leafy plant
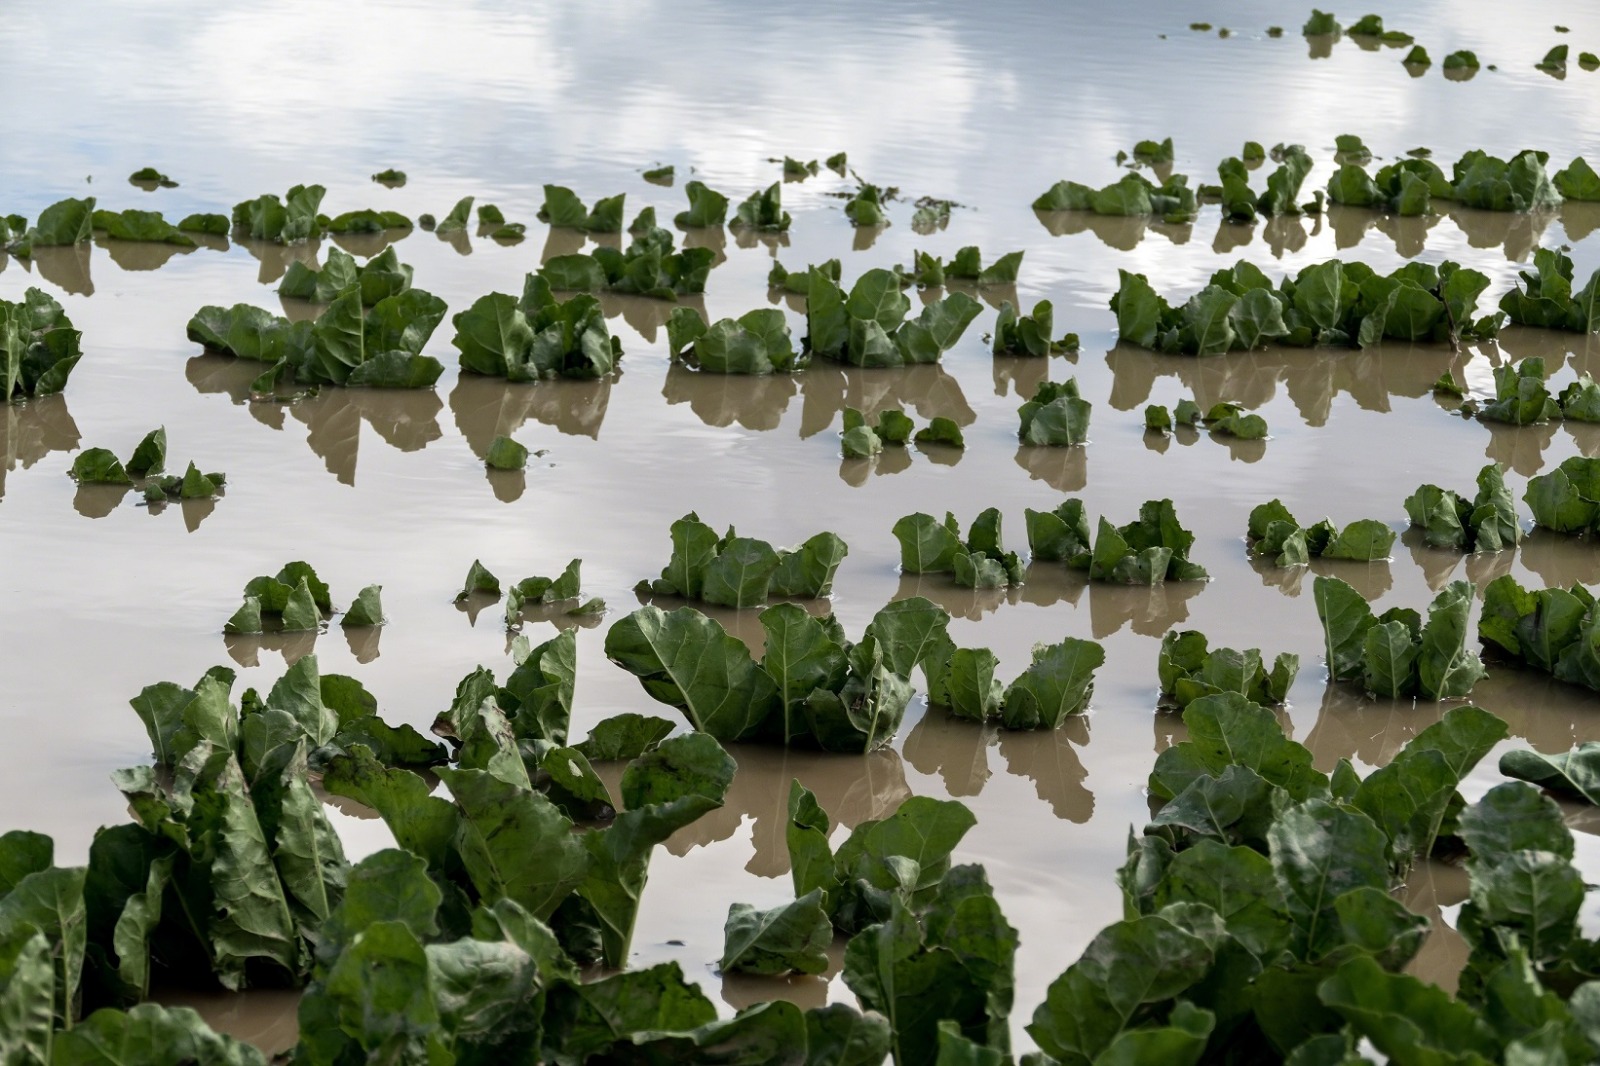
x: 536, y: 336
x: 1327, y: 303
x: 1058, y: 683
x: 1061, y: 535
x: 347, y: 345
x: 1447, y: 520
x: 763, y: 210
x: 799, y: 281
x: 1055, y: 415
x: 1132, y: 194
x: 1461, y: 60
x: 1019, y: 334
x: 1566, y: 499
x: 735, y: 571
x: 1396, y: 655
x: 382, y: 276
x: 150, y: 179
x: 1547, y: 298
x: 928, y: 546
x: 391, y: 178
x: 293, y: 218
x: 1320, y: 23
x: 1554, y: 630
x: 869, y: 326
x: 1273, y: 533
x: 566, y: 587
x: 1577, y: 181
x: 894, y: 427
x: 757, y: 342
x: 647, y: 267
x: 1190, y: 669
x: 38, y: 347
x: 64, y: 223
x: 812, y: 688
x: 365, y: 220
x: 707, y: 207
x: 132, y: 225
x: 966, y: 265
x: 562, y: 207
x: 295, y: 596
x: 1148, y: 551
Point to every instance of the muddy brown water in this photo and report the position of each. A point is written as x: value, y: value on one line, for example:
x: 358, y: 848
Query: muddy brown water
x: 986, y: 106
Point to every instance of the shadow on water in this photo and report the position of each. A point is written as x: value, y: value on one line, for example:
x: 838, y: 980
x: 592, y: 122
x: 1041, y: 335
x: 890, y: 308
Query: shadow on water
x: 1311, y: 377
x: 32, y: 430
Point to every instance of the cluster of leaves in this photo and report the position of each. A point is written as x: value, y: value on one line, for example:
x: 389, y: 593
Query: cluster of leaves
x: 1396, y: 655
x: 928, y: 271
x: 1058, y: 683
x: 347, y: 345
x: 536, y: 336
x: 1153, y: 549
x: 1520, y: 396
x: 38, y: 347
x: 150, y: 179
x: 565, y: 588
x: 293, y: 218
x: 648, y: 266
x: 62, y: 224
x: 1055, y: 415
x: 813, y: 687
x: 1019, y: 334
x: 1240, y: 203
x: 869, y: 327
x: 707, y: 207
x: 1261, y: 926
x: 1571, y: 775
x: 144, y: 470
x: 383, y: 276
x: 1190, y: 670
x: 299, y: 601
x: 928, y: 546
x: 1478, y: 179
x: 562, y: 208
x: 1547, y: 298
x: 229, y: 869
x: 1273, y: 533
x: 799, y: 281
x: 865, y: 207
x: 1555, y: 630
x: 735, y: 571
x: 134, y: 225
x: 1447, y: 520
x: 1132, y: 194
x: 1567, y: 499
x: 757, y: 342
x: 492, y: 223
x: 391, y: 178
x: 932, y: 955
x: 1333, y: 302
x: 1226, y: 418
x: 762, y: 210
x: 893, y: 428
x: 1577, y: 181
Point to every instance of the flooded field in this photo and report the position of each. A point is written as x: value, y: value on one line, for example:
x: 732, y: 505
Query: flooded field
x: 988, y: 107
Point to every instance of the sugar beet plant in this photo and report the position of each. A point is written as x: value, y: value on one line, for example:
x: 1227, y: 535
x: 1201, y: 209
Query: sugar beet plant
x: 980, y: 561
x: 735, y: 571
x: 1397, y: 655
x: 813, y: 687
x: 1331, y: 303
x: 1274, y: 534
x: 1148, y: 551
x: 1189, y: 669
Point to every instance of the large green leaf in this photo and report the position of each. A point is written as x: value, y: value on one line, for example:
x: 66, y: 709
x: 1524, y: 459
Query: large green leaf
x: 792, y: 938
x: 1406, y: 1019
x: 1229, y: 730
x: 1345, y: 620
x: 802, y: 655
x: 1129, y: 964
x: 927, y: 546
x: 1058, y: 683
x: 514, y: 843
x: 1319, y: 852
x: 1446, y: 668
x: 688, y: 661
x: 150, y: 1035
